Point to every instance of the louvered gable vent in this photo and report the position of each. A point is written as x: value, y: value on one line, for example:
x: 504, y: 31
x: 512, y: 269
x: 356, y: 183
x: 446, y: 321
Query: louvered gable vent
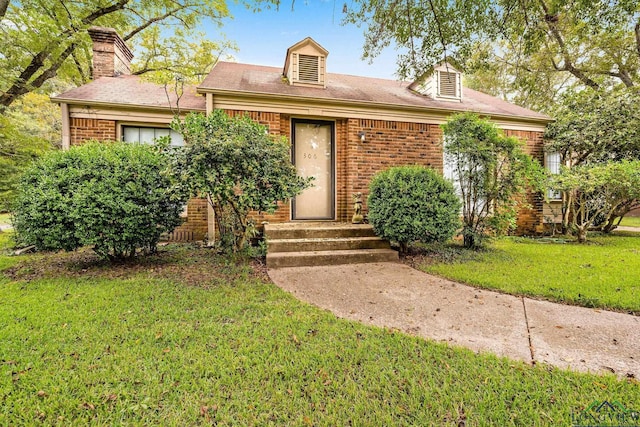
x: 448, y: 84
x: 443, y: 83
x: 305, y: 64
x: 308, y: 68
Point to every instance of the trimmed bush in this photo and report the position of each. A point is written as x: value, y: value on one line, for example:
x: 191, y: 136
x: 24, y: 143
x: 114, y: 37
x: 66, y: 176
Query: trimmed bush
x: 413, y: 204
x: 112, y: 196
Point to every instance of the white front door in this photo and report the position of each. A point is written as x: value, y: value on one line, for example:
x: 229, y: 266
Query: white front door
x: 313, y: 157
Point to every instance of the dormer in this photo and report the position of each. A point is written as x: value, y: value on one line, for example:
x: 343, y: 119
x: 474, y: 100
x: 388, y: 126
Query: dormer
x: 443, y: 82
x: 306, y: 64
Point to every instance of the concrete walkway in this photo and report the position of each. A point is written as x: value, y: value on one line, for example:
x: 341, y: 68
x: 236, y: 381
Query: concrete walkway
x: 632, y: 229
x: 394, y: 295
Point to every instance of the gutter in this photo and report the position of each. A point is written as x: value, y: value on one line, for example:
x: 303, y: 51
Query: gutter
x: 119, y: 106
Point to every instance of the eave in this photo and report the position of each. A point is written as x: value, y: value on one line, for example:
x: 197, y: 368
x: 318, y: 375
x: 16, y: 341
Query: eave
x: 348, y: 103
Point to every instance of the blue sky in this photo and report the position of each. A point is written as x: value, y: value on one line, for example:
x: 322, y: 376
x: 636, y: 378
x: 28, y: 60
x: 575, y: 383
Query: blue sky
x: 263, y: 37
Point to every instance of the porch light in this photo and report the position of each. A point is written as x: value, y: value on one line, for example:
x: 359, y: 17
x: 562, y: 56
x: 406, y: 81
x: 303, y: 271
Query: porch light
x: 362, y: 136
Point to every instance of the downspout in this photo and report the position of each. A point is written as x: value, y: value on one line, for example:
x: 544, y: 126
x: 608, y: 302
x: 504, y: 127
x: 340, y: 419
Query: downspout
x: 66, y: 126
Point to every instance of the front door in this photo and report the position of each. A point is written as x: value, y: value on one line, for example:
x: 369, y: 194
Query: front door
x: 313, y: 157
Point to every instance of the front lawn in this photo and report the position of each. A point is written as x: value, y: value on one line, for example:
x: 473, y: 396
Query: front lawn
x: 6, y: 243
x: 191, y: 338
x: 603, y: 273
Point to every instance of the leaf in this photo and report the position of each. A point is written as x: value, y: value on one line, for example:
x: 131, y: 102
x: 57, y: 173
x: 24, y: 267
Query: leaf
x: 88, y: 406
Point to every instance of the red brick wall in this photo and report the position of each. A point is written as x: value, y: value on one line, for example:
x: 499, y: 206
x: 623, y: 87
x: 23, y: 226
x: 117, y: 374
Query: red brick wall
x: 530, y: 219
x: 195, y: 227
x: 387, y: 143
x: 85, y: 129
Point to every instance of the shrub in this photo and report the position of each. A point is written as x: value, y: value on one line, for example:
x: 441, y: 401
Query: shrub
x: 491, y: 172
x: 413, y: 204
x: 597, y: 191
x: 239, y: 166
x: 115, y: 197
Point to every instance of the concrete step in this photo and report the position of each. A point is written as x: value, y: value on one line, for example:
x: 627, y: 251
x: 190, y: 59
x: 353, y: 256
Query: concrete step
x: 316, y: 231
x: 315, y: 258
x: 326, y: 244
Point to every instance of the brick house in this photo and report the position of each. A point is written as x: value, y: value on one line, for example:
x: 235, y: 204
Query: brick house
x: 343, y: 128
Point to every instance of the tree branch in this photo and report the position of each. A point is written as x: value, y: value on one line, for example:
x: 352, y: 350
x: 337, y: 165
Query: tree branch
x: 17, y: 90
x: 104, y: 11
x: 83, y: 75
x: 4, y: 5
x: 637, y: 31
x: 152, y: 21
x: 439, y: 27
x: 552, y: 24
x: 23, y: 83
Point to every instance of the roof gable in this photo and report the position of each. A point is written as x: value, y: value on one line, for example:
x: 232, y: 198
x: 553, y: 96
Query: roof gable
x: 305, y: 64
x: 442, y: 81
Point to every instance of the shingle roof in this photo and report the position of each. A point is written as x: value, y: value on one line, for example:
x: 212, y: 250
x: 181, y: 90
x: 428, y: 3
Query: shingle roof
x: 131, y: 91
x: 255, y: 79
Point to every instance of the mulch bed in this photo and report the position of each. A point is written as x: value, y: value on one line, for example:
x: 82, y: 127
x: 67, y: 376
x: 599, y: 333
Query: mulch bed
x: 188, y: 264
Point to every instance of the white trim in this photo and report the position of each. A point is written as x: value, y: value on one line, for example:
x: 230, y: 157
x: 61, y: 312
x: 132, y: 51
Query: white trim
x: 66, y: 126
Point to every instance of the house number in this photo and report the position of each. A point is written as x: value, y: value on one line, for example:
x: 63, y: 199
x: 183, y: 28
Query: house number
x: 309, y: 156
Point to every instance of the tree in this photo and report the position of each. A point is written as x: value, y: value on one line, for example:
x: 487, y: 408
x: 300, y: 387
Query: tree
x: 591, y: 43
x: 238, y: 166
x: 26, y: 130
x: 413, y: 204
x: 593, y: 127
x: 116, y: 197
x: 597, y: 190
x: 491, y: 173
x: 40, y: 40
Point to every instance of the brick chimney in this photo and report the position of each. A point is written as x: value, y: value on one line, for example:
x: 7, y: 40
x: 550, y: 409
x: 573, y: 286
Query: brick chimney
x: 111, y: 55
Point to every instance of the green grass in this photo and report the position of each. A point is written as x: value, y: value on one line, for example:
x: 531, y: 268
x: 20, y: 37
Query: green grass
x: 6, y: 243
x: 5, y: 218
x: 191, y: 338
x: 630, y: 221
x: 603, y: 273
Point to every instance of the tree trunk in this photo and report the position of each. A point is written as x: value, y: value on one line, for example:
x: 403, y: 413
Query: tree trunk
x: 469, y: 241
x: 4, y: 5
x: 582, y: 234
x: 611, y: 224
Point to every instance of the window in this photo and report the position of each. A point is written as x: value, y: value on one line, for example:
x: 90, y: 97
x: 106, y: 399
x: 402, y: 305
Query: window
x: 447, y: 84
x: 147, y: 135
x: 552, y: 164
x: 450, y: 169
x: 308, y: 68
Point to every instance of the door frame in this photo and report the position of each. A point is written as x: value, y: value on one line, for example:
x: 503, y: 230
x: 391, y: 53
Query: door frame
x: 332, y: 125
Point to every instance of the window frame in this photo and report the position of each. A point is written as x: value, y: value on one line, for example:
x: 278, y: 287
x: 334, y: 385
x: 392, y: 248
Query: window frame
x: 553, y: 167
x: 155, y: 127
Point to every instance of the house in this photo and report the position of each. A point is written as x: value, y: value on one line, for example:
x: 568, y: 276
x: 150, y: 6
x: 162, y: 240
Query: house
x: 343, y: 129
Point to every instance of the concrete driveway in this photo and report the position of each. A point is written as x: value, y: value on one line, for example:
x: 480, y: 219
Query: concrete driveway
x: 394, y: 295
